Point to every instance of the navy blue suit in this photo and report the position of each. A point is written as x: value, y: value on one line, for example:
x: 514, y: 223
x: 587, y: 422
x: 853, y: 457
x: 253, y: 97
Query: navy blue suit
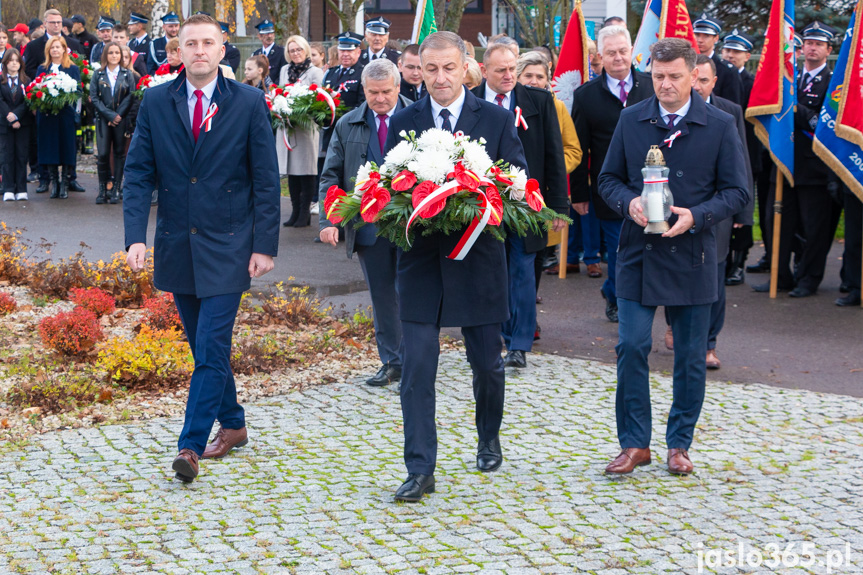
x: 706, y: 176
x: 435, y: 291
x: 218, y: 204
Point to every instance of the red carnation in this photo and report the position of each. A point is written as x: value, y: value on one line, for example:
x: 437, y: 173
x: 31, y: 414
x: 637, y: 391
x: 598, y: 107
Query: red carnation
x: 334, y: 196
x: 313, y: 87
x: 420, y: 193
x: 85, y: 63
x: 279, y: 92
x: 374, y: 178
x: 404, y: 181
x: 532, y: 195
x: 320, y: 97
x: 374, y: 200
x: 40, y: 95
x: 76, y: 55
x: 495, y: 204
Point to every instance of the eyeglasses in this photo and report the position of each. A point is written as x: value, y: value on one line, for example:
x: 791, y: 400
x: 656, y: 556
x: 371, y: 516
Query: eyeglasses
x: 296, y: 51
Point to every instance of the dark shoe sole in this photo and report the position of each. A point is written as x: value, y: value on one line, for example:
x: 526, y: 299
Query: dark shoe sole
x: 377, y: 382
x: 414, y: 499
x: 642, y: 464
x: 185, y: 472
x: 489, y: 469
x: 240, y: 444
x: 680, y: 473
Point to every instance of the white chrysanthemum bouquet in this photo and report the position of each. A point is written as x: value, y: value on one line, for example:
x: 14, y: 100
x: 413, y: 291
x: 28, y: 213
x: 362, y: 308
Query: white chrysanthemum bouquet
x: 50, y: 93
x: 441, y: 182
x: 147, y: 82
x: 300, y: 106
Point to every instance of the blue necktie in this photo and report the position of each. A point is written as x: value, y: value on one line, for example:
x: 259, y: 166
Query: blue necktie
x: 447, y: 125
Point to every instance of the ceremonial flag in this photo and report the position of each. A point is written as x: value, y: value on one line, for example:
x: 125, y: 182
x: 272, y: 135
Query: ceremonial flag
x: 838, y: 137
x: 648, y: 33
x: 662, y: 19
x: 572, y: 65
x: 424, y: 23
x: 771, y: 104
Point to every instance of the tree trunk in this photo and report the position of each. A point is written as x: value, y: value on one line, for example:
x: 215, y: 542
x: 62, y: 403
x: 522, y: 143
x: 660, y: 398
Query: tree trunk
x: 160, y: 8
x: 346, y: 11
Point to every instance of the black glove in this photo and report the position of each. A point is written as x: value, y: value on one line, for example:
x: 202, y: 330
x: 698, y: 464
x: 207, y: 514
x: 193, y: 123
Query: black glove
x: 835, y: 191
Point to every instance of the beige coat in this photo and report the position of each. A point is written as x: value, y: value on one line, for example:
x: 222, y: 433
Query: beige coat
x: 303, y: 160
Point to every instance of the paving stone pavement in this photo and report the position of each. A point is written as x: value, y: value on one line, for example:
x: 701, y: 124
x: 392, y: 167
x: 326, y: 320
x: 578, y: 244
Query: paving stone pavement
x: 312, y: 493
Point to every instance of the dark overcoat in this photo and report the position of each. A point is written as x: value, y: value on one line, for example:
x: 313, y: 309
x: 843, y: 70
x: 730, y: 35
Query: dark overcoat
x: 706, y: 175
x: 433, y: 288
x: 56, y: 132
x: 218, y: 198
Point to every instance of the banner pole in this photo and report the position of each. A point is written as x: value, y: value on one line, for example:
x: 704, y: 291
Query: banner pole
x: 777, y: 227
x: 564, y: 252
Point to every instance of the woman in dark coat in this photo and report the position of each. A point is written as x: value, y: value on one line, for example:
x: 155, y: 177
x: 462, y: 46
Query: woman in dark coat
x: 16, y: 121
x: 111, y: 91
x: 56, y: 132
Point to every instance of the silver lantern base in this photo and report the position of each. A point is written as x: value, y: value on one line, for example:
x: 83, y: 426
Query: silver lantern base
x: 656, y: 227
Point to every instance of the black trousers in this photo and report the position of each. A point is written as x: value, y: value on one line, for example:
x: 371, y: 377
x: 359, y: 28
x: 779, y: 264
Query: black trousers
x: 764, y: 190
x: 16, y: 151
x: 419, y: 372
x: 110, y: 138
x: 811, y: 208
x: 851, y: 259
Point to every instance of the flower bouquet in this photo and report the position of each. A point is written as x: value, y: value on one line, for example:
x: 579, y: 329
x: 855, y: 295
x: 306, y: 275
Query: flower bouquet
x: 441, y: 182
x: 296, y: 106
x: 148, y: 81
x: 51, y: 93
x: 85, y: 69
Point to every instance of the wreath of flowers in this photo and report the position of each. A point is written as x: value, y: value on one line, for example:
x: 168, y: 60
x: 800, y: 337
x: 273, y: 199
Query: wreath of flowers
x: 441, y: 182
x: 148, y: 81
x: 51, y: 93
x: 85, y: 69
x: 297, y: 106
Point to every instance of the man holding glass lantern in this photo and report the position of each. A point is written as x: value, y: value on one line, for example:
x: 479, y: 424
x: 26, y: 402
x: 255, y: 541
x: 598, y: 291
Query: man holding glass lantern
x: 667, y: 255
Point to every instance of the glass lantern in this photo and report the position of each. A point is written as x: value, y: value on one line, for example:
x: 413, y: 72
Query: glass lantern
x: 656, y: 198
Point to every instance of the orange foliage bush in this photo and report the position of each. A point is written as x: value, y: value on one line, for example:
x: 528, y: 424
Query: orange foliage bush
x: 71, y: 333
x: 161, y: 313
x: 7, y: 304
x: 93, y: 299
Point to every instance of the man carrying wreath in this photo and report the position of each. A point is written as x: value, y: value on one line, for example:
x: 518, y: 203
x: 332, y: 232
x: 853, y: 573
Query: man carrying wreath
x: 435, y: 291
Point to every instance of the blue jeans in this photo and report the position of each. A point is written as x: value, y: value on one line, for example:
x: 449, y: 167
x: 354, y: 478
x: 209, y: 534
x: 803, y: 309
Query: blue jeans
x: 575, y: 245
x: 594, y: 228
x: 518, y: 330
x: 634, y: 421
x: 209, y: 324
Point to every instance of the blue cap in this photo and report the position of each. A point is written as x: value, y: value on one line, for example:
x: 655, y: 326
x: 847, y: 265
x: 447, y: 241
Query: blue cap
x: 105, y: 23
x: 349, y: 40
x: 136, y: 18
x: 707, y: 25
x: 265, y: 27
x: 226, y: 28
x: 819, y: 31
x: 739, y: 41
x: 170, y: 18
x: 798, y: 41
x: 379, y: 25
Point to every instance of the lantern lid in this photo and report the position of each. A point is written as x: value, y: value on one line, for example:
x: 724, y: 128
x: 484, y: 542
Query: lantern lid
x: 654, y: 157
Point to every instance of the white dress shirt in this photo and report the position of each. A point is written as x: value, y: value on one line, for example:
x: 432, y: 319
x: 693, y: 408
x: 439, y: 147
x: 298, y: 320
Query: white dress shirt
x: 680, y: 113
x: 112, y: 76
x: 614, y: 84
x: 388, y: 116
x: 205, y: 99
x: 491, y: 94
x: 454, y: 110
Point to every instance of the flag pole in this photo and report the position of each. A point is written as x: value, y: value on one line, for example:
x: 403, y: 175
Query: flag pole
x: 777, y: 228
x: 564, y: 252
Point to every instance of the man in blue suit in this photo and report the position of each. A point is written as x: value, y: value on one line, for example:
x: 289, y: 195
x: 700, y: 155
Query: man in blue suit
x: 435, y: 291
x: 360, y: 137
x: 207, y: 144
x: 677, y: 269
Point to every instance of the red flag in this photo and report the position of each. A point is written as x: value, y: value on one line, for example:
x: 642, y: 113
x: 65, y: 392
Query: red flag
x: 676, y: 23
x: 572, y: 65
x: 849, y: 121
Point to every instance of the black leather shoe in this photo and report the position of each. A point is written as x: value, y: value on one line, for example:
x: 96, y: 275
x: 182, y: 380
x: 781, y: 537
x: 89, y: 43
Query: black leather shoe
x: 74, y: 186
x: 489, y: 455
x: 414, y: 487
x: 852, y: 299
x: 736, y: 277
x: 385, y: 375
x: 801, y: 291
x: 762, y: 267
x: 32, y: 178
x: 43, y: 186
x: 515, y: 358
x: 765, y: 288
x: 610, y: 308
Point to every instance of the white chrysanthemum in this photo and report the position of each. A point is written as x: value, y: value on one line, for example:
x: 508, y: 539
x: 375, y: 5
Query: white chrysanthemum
x: 163, y: 79
x: 436, y: 140
x: 476, y: 158
x: 397, y: 158
x: 280, y: 105
x: 362, y: 175
x: 432, y: 165
x: 519, y: 183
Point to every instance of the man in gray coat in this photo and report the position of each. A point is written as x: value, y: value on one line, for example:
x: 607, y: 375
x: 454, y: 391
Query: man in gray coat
x: 359, y: 137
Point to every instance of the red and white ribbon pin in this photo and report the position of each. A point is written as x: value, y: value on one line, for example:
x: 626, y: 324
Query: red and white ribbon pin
x: 519, y: 119
x: 207, y: 122
x: 670, y: 139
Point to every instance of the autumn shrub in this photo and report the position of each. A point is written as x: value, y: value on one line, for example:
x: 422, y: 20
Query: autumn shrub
x: 14, y: 266
x: 128, y: 288
x: 7, y: 304
x: 293, y: 307
x: 93, y: 299
x: 161, y: 313
x: 253, y: 354
x: 71, y: 333
x: 153, y: 358
x: 53, y: 390
x: 56, y: 279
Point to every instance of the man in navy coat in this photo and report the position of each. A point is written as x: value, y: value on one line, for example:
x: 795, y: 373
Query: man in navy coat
x: 435, y: 291
x: 207, y: 144
x: 678, y: 268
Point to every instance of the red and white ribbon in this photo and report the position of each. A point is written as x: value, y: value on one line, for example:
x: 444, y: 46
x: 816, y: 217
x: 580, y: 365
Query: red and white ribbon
x: 331, y: 103
x: 659, y: 181
x: 208, y: 118
x: 519, y: 119
x: 670, y: 139
x: 285, y: 140
x: 439, y: 194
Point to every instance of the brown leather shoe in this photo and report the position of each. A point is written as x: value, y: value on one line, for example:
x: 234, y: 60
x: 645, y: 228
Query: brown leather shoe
x: 669, y: 338
x: 713, y: 360
x: 186, y: 465
x: 570, y: 269
x: 225, y: 440
x: 594, y: 270
x: 679, y: 462
x: 629, y: 459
